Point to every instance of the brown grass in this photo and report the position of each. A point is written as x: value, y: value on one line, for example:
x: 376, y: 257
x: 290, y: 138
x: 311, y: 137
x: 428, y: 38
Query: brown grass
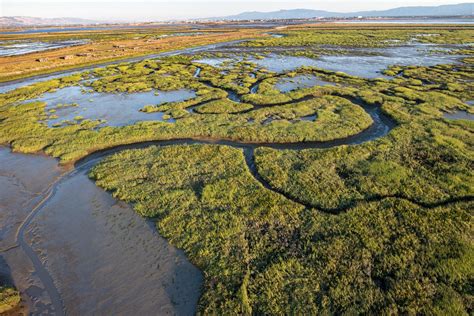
x: 15, y: 67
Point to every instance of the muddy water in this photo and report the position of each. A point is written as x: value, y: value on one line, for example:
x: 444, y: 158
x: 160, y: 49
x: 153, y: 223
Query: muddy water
x: 106, y: 259
x: 23, y: 180
x: 91, y: 254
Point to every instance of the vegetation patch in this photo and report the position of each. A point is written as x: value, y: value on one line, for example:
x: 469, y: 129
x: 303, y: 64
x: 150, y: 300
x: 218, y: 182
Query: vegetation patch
x: 205, y: 201
x: 9, y: 299
x: 264, y: 254
x: 426, y: 166
x: 223, y: 106
x: 372, y: 37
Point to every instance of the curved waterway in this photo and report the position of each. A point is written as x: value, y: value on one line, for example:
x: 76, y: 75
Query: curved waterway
x: 94, y: 255
x: 91, y: 254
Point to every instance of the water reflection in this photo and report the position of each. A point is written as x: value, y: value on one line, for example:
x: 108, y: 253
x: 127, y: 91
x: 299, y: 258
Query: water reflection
x: 117, y: 109
x: 21, y: 48
x: 299, y: 82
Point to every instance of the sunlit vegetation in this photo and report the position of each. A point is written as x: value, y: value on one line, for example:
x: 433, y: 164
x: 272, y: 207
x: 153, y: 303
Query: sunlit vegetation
x: 223, y: 106
x: 428, y: 163
x: 379, y: 227
x: 263, y: 115
x: 9, y: 299
x: 108, y: 45
x: 144, y: 76
x: 454, y: 80
x: 263, y: 254
x: 364, y: 38
x: 425, y: 159
x: 238, y: 78
x: 205, y: 201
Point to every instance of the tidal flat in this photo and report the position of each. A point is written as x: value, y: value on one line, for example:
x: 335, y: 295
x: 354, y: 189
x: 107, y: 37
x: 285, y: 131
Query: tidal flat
x: 273, y: 175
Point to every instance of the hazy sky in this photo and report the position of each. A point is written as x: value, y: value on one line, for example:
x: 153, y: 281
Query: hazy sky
x: 152, y: 10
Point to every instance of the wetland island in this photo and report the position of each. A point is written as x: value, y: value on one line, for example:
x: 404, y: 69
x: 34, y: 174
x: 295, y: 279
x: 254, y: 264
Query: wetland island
x: 265, y: 166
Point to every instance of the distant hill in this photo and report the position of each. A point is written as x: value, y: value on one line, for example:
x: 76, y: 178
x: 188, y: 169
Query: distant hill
x: 463, y: 9
x: 20, y: 21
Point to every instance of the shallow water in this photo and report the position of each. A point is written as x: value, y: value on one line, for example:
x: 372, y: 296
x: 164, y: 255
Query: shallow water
x: 299, y: 82
x: 360, y: 63
x: 8, y: 86
x: 102, y: 256
x: 108, y: 260
x: 310, y: 118
x: 372, y: 66
x: 277, y: 35
x: 117, y: 109
x: 23, y: 179
x: 214, y: 62
x: 22, y: 48
x: 459, y: 115
x: 55, y: 30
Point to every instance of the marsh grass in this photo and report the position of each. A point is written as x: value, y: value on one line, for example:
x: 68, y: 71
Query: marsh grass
x: 263, y: 254
x: 9, y: 299
x: 401, y: 242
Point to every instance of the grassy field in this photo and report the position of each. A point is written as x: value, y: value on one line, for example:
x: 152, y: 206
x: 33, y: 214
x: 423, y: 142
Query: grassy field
x: 366, y: 36
x: 400, y: 244
x: 9, y: 299
x: 264, y: 254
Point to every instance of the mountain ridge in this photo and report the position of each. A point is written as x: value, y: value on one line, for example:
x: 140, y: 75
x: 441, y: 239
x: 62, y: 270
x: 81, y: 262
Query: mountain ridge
x: 461, y: 9
x: 19, y: 21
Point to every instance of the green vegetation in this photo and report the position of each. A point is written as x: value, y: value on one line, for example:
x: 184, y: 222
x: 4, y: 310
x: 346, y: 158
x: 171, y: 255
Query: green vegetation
x: 454, y: 80
x: 264, y: 254
x: 425, y: 159
x: 373, y: 37
x: 223, y: 106
x: 205, y: 201
x: 24, y: 124
x: 428, y: 163
x: 381, y: 227
x: 9, y: 299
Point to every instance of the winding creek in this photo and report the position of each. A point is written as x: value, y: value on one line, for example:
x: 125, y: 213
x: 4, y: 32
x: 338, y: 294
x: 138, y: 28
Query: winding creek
x: 73, y: 249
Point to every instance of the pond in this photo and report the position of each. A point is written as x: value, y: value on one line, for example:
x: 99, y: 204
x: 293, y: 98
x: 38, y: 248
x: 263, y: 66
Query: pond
x: 21, y: 48
x: 117, y: 109
x: 299, y: 82
x: 214, y: 62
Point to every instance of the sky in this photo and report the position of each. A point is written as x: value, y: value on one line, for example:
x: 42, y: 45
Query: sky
x: 156, y: 10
